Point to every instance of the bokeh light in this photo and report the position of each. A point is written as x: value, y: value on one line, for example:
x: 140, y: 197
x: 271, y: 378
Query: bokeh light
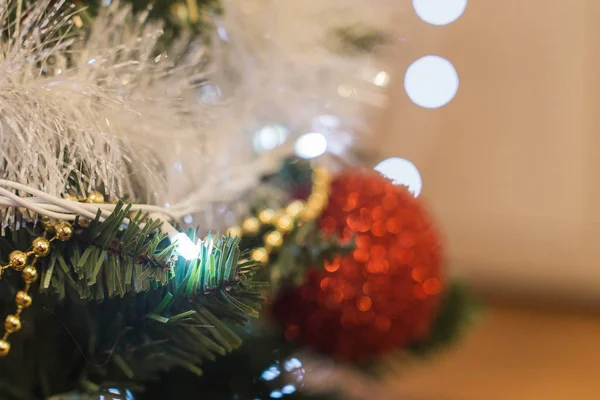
x: 401, y: 172
x: 271, y: 373
x: 431, y: 81
x: 381, y: 79
x: 292, y: 364
x: 311, y: 145
x: 288, y: 389
x: 439, y: 12
x: 269, y: 137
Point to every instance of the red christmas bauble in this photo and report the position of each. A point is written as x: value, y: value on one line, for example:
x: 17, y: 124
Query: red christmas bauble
x: 384, y: 295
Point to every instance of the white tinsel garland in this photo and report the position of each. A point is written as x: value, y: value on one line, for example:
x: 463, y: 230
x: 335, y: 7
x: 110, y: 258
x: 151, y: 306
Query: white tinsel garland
x: 79, y: 113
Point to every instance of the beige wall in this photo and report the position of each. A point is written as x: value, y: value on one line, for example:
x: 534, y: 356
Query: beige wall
x: 510, y: 166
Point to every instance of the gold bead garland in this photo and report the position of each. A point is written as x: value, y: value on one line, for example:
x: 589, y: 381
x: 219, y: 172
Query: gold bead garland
x: 41, y: 246
x: 266, y: 216
x: 235, y: 231
x: 273, y: 240
x: 251, y: 226
x: 286, y: 219
x: 17, y: 260
x: 94, y: 198
x: 285, y: 224
x: 64, y: 231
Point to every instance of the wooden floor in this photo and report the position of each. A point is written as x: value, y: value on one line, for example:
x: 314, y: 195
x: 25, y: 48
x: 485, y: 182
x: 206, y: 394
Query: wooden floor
x: 514, y: 354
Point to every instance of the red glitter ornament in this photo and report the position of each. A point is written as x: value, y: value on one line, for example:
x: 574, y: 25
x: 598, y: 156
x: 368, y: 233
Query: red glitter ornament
x: 384, y: 295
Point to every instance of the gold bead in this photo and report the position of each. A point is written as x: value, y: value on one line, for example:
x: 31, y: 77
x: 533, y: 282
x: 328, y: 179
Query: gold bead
x: 12, y: 323
x: 83, y: 222
x: 64, y: 231
x: 17, y: 260
x: 47, y: 223
x: 321, y: 188
x: 251, y: 226
x: 260, y: 255
x: 285, y: 224
x: 235, y: 231
x: 294, y: 208
x: 310, y: 214
x: 273, y: 240
x: 70, y: 197
x: 23, y: 299
x: 30, y: 274
x: 41, y: 246
x: 321, y: 172
x: 321, y: 176
x: 317, y: 201
x: 266, y: 216
x: 4, y: 348
x: 95, y: 197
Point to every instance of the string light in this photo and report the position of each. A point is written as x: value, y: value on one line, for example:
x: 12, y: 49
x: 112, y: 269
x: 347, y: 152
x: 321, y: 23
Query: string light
x: 185, y: 247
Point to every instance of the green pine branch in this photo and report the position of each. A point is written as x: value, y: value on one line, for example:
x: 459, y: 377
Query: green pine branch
x: 115, y: 308
x: 175, y: 16
x: 105, y: 260
x: 458, y: 310
x: 307, y: 247
x: 358, y: 40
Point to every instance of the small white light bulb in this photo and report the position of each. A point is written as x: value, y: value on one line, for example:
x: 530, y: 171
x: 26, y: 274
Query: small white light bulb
x: 185, y: 247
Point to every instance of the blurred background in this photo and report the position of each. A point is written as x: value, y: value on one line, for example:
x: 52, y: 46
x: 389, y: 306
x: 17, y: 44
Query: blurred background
x: 509, y: 162
x: 504, y: 136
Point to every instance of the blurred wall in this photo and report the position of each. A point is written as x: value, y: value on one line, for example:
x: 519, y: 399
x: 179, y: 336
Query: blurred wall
x: 510, y: 166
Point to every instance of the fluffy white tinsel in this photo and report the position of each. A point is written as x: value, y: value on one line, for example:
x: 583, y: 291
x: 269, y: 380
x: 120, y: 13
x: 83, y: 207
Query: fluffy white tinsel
x: 77, y: 113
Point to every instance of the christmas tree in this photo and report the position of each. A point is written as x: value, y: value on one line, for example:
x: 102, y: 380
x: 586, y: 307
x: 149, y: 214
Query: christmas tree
x: 117, y: 176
